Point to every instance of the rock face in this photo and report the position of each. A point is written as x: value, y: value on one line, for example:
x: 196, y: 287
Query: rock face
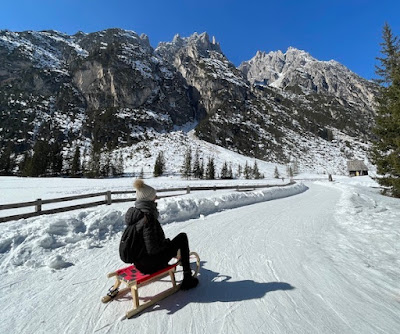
x: 297, y: 68
x: 112, y: 89
x: 109, y: 84
x: 201, y: 62
x: 258, y: 111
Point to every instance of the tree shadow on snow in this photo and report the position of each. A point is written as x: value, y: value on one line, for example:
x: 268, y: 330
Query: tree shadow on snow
x: 214, y: 287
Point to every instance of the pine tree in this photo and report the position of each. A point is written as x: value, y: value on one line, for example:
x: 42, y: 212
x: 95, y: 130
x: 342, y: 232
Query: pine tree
x: 197, y: 169
x: 230, y: 172
x: 76, y: 163
x: 239, y: 171
x: 159, y: 165
x: 106, y: 166
x: 113, y: 164
x: 385, y: 152
x: 390, y: 62
x: 256, y: 172
x: 24, y: 165
x: 84, y: 163
x: 224, y: 171
x: 276, y: 173
x: 93, y: 169
x: 201, y: 172
x: 247, y: 171
x: 56, y: 159
x: 120, y: 164
x: 187, y: 163
x: 40, y: 162
x: 295, y: 166
x: 210, y: 171
x: 289, y: 171
x: 6, y: 161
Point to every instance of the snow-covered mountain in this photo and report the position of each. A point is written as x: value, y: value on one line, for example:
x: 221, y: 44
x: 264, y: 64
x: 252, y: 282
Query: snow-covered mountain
x: 201, y: 62
x: 110, y: 90
x: 107, y: 86
x: 299, y: 68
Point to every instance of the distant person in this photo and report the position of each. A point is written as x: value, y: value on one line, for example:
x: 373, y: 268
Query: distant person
x: 143, y: 242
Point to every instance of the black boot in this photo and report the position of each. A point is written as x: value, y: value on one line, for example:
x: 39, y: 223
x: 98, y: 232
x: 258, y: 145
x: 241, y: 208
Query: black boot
x: 189, y: 282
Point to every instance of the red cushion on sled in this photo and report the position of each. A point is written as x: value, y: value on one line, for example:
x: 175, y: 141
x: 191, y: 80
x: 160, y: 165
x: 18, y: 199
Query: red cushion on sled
x: 130, y: 273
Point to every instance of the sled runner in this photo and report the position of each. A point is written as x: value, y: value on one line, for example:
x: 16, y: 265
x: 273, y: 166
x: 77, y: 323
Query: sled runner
x: 133, y: 279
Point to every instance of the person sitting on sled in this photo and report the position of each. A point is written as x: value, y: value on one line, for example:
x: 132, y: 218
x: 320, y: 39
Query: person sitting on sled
x: 143, y: 241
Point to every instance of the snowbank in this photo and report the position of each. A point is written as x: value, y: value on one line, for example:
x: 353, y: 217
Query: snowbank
x: 183, y: 208
x: 56, y: 240
x: 367, y: 230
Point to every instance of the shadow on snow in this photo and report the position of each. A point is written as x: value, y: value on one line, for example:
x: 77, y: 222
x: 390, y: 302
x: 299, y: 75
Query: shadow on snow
x: 214, y: 287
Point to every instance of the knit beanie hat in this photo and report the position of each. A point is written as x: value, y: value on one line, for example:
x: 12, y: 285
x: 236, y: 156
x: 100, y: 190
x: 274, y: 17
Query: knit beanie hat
x: 143, y: 191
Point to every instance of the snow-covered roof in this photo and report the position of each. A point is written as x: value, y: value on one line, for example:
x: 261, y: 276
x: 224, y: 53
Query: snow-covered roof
x: 356, y: 165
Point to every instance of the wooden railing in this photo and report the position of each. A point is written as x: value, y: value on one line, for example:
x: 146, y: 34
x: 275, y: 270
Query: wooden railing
x: 108, y: 199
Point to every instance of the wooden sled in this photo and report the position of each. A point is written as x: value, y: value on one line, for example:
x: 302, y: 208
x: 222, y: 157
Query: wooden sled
x: 133, y: 279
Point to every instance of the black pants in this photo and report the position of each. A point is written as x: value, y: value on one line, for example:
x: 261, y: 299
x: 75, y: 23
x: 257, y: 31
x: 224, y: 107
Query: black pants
x: 158, y: 261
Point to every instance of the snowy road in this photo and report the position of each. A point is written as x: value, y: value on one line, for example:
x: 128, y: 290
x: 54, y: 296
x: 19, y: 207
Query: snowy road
x: 279, y: 256
x: 273, y: 267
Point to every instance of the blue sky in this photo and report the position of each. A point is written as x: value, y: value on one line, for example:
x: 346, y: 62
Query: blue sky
x: 347, y: 31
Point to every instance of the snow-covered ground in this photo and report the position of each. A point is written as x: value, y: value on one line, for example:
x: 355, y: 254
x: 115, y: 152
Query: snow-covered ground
x: 323, y: 157
x: 314, y: 257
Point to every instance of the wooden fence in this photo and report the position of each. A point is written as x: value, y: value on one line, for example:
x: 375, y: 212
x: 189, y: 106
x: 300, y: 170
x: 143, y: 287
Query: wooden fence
x: 108, y: 199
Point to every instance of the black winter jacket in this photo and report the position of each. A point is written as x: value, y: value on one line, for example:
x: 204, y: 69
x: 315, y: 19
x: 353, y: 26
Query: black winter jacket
x: 142, y: 239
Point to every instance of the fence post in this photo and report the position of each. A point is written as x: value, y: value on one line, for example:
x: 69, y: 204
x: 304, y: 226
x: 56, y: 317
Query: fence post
x: 108, y: 198
x: 38, y: 206
x: 188, y: 190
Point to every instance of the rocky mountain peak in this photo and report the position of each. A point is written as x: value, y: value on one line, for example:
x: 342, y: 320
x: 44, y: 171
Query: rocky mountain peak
x: 114, y: 36
x: 177, y: 40
x: 298, y: 69
x: 198, y: 45
x: 202, y: 42
x: 294, y: 52
x: 205, y: 68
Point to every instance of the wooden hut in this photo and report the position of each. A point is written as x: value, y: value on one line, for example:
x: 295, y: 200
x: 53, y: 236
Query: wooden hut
x: 356, y: 168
